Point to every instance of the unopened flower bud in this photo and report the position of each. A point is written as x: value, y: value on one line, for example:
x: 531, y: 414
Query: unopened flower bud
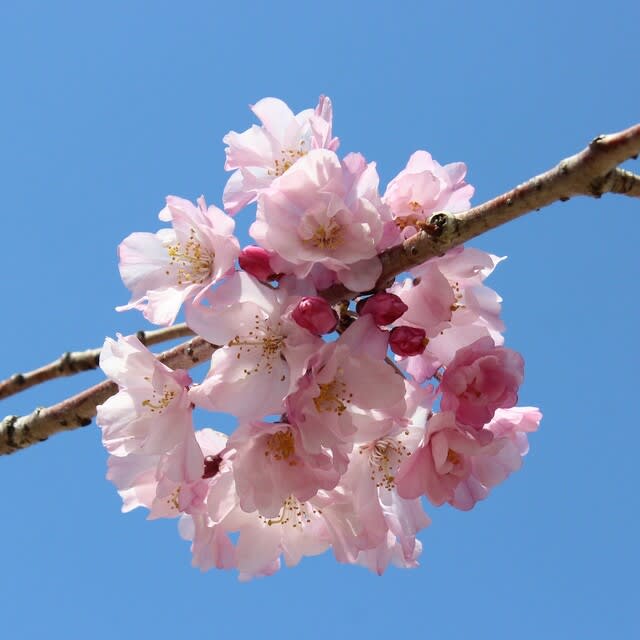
x: 408, y: 341
x: 384, y: 307
x: 316, y: 315
x: 255, y: 261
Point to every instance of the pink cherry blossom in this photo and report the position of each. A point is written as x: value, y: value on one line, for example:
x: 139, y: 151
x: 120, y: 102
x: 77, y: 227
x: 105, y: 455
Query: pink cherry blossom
x: 324, y: 212
x: 447, y: 297
x: 164, y: 269
x: 262, y: 353
x: 348, y: 394
x: 271, y: 464
x: 151, y: 413
x: 424, y: 187
x: 440, y: 463
x: 480, y: 379
x: 261, y: 154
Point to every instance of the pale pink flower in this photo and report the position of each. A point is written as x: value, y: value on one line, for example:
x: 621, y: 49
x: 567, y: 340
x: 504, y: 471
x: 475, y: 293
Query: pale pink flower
x: 164, y: 269
x: 499, y: 460
x: 324, y: 212
x: 349, y: 392
x: 480, y: 379
x: 297, y: 530
x: 262, y: 154
x: 271, y: 464
x: 211, y: 546
x: 262, y: 350
x: 440, y: 463
x: 152, y: 412
x: 447, y: 298
x: 172, y: 483
x: 424, y: 187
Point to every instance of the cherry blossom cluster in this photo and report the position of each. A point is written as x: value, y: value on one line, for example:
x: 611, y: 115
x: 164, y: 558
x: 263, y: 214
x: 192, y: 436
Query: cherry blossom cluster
x: 350, y: 416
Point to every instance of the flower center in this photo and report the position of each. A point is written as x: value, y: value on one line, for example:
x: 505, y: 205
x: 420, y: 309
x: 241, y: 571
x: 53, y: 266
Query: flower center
x: 333, y: 397
x: 158, y: 403
x: 268, y: 341
x: 193, y: 261
x: 288, y: 158
x: 453, y: 457
x: 281, y: 446
x: 293, y: 514
x: 385, y: 456
x: 327, y: 236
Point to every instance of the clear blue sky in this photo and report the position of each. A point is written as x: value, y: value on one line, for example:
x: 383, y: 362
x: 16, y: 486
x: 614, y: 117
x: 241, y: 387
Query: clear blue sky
x: 108, y: 107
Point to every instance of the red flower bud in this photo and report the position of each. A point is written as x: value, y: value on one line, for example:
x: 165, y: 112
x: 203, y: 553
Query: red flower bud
x: 255, y: 261
x: 408, y: 341
x: 384, y: 307
x: 316, y: 315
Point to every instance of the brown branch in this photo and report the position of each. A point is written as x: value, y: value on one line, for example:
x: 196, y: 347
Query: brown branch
x: 78, y: 411
x: 73, y: 362
x: 591, y: 172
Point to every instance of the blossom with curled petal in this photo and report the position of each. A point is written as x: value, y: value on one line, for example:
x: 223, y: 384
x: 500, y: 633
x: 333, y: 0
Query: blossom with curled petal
x: 164, y: 269
x: 259, y: 155
x: 504, y: 456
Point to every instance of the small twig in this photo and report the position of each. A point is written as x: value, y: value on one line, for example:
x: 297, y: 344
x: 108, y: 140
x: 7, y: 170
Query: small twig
x: 76, y: 361
x: 79, y: 410
x: 617, y: 181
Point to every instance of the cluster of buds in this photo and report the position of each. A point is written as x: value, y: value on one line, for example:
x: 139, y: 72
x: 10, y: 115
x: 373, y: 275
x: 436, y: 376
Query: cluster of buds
x: 352, y: 414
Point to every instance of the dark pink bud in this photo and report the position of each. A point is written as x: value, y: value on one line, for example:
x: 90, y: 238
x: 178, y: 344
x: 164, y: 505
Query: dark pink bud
x: 255, y: 260
x: 384, y: 307
x: 316, y: 315
x: 408, y: 341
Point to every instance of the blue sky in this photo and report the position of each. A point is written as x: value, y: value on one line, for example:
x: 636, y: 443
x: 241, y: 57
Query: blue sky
x: 108, y: 107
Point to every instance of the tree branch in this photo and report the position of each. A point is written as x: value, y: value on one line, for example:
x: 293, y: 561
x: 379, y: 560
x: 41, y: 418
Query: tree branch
x: 592, y: 172
x: 79, y: 410
x: 73, y: 362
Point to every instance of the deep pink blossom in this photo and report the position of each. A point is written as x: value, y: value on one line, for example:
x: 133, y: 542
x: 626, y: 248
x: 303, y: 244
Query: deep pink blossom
x: 480, y: 379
